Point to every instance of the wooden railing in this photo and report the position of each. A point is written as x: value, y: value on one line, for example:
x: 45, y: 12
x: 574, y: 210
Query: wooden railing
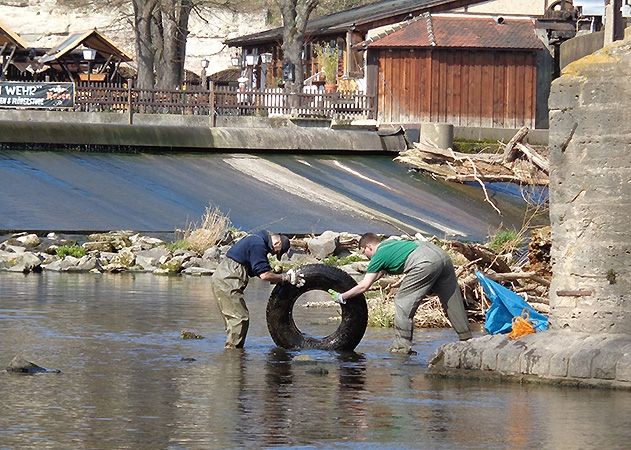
x: 224, y: 102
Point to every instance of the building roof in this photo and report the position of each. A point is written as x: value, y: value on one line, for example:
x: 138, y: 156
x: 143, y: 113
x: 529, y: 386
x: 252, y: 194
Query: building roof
x: 459, y: 31
x: 343, y: 20
x: 226, y: 76
x: 9, y: 37
x: 92, y: 39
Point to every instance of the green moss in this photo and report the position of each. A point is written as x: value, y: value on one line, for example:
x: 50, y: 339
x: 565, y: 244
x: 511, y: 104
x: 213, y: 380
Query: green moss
x: 70, y: 250
x: 473, y: 146
x: 337, y: 261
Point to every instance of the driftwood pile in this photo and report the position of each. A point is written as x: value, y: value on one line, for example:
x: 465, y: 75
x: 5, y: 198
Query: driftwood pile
x: 529, y: 276
x: 517, y: 163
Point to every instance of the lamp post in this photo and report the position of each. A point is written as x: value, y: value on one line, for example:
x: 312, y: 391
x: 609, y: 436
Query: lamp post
x: 89, y: 54
x: 205, y: 63
x: 249, y: 62
x: 236, y: 61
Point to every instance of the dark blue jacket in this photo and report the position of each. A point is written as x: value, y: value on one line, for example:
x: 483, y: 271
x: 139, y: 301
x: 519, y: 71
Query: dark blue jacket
x: 251, y: 251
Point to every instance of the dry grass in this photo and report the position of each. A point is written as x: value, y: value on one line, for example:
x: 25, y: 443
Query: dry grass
x: 429, y: 315
x: 211, y: 229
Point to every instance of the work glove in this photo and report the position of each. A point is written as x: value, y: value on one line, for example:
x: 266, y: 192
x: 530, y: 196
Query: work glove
x: 294, y: 277
x: 337, y: 297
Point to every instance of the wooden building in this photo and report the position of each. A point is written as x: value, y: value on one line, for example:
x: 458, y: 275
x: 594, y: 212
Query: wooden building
x: 18, y: 61
x: 465, y: 70
x: 341, y: 30
x: 69, y: 61
x: 64, y: 62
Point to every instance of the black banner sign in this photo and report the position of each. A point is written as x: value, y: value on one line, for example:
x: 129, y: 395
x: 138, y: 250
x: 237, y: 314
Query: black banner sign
x: 14, y: 94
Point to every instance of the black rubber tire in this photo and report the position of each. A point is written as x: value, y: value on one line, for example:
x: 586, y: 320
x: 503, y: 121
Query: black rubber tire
x: 279, y: 314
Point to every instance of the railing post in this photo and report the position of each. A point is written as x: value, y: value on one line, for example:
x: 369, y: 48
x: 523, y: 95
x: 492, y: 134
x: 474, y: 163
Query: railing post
x: 130, y: 109
x: 211, y: 103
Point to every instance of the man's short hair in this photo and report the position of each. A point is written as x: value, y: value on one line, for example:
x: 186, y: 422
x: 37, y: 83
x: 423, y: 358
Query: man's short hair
x: 368, y: 238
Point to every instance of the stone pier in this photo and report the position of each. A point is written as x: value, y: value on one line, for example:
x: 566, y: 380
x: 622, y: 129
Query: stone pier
x: 589, y: 342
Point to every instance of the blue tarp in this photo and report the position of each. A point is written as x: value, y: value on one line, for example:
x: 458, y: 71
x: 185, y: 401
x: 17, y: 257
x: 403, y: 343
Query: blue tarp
x: 506, y: 304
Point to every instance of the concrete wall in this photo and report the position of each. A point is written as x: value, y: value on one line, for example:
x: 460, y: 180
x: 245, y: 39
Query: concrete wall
x: 535, y: 137
x: 170, y: 131
x: 590, y: 193
x: 580, y: 46
x: 509, y: 7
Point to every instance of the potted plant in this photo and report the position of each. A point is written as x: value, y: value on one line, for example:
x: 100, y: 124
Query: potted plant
x: 328, y: 58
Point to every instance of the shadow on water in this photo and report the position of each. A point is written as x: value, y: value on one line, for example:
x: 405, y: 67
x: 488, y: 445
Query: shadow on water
x: 129, y: 381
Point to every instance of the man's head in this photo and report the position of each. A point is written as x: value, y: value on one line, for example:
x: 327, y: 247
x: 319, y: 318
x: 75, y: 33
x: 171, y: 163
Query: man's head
x: 368, y: 244
x: 280, y: 243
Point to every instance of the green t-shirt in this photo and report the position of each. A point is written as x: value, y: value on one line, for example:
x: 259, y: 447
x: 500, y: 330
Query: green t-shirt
x: 391, y: 256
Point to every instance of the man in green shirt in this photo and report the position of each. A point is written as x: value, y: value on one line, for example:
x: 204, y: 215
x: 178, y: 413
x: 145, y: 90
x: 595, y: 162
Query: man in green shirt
x: 427, y: 268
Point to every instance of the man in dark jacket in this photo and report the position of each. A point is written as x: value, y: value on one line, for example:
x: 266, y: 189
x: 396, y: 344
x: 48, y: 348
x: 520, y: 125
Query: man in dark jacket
x: 247, y: 258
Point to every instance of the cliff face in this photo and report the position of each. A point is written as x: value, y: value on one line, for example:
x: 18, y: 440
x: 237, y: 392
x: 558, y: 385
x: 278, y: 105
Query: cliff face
x: 45, y: 23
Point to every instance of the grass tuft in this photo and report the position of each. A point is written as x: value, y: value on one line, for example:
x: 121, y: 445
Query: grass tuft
x: 70, y: 250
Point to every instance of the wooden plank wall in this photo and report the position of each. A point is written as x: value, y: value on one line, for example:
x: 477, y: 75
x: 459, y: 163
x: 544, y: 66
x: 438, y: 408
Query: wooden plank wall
x: 477, y: 88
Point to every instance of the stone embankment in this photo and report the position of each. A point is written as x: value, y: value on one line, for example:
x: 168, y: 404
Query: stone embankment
x: 551, y: 357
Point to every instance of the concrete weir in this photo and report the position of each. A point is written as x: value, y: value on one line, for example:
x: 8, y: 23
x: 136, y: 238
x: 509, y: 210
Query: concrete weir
x: 192, y: 133
x: 589, y: 343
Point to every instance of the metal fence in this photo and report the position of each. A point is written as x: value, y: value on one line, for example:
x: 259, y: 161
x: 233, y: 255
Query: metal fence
x: 224, y: 101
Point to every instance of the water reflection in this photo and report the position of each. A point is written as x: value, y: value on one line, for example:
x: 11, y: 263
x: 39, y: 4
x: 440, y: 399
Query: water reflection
x: 125, y: 383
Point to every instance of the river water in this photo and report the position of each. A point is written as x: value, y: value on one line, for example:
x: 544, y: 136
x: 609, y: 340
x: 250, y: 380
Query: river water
x: 75, y: 191
x: 124, y: 383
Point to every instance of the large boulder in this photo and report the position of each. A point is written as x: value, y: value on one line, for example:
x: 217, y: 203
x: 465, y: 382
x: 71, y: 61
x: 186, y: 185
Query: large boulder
x: 19, y: 262
x: 323, y: 245
x: 29, y: 241
x: 62, y: 265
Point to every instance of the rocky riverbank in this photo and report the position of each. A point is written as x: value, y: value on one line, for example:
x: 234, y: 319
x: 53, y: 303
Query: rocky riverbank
x: 128, y: 251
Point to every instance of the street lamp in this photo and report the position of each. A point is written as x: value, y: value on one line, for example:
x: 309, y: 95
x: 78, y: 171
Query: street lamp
x: 236, y: 61
x: 89, y: 54
x: 205, y: 63
x: 250, y: 61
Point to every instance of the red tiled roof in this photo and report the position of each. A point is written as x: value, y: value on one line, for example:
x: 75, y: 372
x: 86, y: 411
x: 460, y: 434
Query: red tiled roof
x: 460, y: 32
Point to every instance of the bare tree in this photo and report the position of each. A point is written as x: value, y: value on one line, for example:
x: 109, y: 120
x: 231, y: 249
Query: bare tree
x: 295, y: 17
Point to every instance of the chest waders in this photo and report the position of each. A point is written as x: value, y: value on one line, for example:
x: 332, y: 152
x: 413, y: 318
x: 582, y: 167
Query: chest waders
x: 427, y: 269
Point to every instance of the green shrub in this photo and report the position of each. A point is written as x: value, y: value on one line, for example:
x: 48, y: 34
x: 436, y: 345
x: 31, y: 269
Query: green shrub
x: 504, y: 241
x: 182, y: 244
x: 70, y: 250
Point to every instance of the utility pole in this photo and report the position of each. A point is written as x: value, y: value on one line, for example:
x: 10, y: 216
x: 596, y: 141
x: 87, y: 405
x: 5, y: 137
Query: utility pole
x: 614, y: 24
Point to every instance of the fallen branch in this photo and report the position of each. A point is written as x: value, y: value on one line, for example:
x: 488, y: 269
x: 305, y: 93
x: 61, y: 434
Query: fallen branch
x: 510, y: 154
x: 535, y: 157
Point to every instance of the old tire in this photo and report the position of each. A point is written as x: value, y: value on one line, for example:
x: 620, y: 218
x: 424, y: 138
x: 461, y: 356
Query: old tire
x: 280, y: 321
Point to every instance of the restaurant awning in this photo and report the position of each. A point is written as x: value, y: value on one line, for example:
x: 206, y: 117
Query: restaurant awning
x: 9, y: 37
x: 92, y: 39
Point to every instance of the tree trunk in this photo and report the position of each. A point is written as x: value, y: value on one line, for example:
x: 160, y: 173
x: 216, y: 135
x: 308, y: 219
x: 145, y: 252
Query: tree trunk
x: 145, y: 51
x: 173, y: 25
x: 295, y: 17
